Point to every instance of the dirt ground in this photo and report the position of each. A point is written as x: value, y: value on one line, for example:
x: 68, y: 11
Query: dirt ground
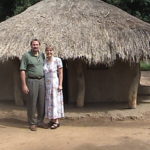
x: 99, y: 127
x: 94, y: 127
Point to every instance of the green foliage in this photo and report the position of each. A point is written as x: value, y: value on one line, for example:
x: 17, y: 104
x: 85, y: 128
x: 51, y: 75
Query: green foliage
x: 138, y: 8
x: 21, y: 5
x: 6, y: 9
x: 145, y: 66
x: 10, y: 8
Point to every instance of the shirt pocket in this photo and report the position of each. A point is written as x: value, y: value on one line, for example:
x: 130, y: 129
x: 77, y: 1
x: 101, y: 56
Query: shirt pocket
x: 31, y: 63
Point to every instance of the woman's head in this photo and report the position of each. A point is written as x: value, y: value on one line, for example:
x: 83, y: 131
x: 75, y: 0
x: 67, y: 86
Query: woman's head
x: 49, y: 50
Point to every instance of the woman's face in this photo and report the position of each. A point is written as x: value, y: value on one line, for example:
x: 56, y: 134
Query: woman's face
x: 49, y: 52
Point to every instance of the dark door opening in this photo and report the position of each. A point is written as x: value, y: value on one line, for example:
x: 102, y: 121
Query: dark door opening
x: 65, y: 81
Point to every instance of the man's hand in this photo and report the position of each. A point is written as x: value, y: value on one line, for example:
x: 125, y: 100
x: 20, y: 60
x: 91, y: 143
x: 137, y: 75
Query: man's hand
x: 25, y: 89
x: 23, y: 81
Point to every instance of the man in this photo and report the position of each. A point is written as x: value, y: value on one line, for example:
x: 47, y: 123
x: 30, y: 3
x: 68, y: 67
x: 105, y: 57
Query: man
x: 32, y: 79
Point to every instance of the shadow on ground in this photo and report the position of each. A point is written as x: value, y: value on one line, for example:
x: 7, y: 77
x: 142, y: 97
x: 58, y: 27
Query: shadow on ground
x: 11, y: 122
x: 94, y: 114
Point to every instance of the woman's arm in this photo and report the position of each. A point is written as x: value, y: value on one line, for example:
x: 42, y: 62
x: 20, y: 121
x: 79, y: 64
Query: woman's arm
x: 60, y: 76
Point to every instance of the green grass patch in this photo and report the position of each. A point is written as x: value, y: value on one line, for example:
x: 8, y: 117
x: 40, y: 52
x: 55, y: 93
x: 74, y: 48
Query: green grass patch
x: 145, y: 66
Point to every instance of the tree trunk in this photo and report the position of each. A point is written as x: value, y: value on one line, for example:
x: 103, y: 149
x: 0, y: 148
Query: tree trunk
x: 134, y: 88
x: 80, y: 84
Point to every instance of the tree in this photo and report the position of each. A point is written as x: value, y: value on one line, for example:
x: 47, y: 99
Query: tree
x: 21, y: 5
x: 9, y: 8
x: 6, y: 9
x: 138, y: 8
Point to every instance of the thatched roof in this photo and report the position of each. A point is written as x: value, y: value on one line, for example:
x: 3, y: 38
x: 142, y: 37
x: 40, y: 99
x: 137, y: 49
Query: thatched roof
x: 91, y: 29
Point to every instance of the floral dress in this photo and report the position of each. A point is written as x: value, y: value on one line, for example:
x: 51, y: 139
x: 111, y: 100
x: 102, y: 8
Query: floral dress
x: 54, y: 99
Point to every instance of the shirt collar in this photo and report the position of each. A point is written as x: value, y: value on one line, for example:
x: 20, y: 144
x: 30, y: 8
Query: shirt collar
x: 33, y: 53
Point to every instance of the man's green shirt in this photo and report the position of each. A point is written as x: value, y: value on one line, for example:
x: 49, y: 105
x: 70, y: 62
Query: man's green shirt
x: 32, y: 65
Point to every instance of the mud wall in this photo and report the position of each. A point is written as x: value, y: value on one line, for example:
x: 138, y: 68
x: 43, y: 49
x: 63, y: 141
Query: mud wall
x: 10, y: 85
x: 6, y: 81
x: 103, y: 84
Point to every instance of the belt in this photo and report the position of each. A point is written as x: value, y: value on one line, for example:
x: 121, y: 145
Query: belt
x: 36, y: 77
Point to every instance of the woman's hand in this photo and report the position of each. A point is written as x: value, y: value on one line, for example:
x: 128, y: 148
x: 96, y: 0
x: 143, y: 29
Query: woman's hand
x: 60, y: 88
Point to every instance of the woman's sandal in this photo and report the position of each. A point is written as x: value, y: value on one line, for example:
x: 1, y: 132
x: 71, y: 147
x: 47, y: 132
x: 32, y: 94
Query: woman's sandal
x: 50, y: 123
x: 55, y: 125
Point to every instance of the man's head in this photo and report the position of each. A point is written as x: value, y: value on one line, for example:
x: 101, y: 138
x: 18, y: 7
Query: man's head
x: 35, y: 45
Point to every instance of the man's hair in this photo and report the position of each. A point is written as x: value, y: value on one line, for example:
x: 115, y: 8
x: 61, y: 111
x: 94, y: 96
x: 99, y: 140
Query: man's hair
x: 35, y: 40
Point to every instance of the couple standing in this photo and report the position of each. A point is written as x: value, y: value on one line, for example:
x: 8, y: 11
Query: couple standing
x: 42, y: 83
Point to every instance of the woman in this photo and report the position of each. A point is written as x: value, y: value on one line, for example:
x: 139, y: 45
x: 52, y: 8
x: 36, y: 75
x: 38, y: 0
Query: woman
x: 53, y: 70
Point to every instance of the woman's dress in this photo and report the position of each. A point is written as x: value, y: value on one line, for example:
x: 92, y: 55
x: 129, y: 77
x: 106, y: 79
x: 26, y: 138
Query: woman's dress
x: 54, y: 107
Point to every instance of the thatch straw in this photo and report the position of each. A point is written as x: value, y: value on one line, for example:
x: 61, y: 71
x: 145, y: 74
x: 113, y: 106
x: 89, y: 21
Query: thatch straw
x: 91, y: 29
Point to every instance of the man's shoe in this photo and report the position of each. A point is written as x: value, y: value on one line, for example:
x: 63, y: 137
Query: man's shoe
x: 43, y: 125
x: 33, y: 127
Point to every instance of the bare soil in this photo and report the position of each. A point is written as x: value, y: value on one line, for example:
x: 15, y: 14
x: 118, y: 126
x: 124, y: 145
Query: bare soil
x: 82, y: 129
x: 95, y: 127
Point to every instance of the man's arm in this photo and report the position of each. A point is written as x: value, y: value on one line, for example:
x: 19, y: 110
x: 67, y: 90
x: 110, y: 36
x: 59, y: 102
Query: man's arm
x: 23, y: 82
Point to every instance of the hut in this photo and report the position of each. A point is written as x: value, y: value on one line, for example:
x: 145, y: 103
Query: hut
x: 102, y: 44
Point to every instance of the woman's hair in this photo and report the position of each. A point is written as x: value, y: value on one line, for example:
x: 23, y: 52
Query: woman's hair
x: 49, y: 47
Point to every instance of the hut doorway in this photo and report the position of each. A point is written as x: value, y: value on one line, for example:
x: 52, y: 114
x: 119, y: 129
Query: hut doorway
x: 65, y: 81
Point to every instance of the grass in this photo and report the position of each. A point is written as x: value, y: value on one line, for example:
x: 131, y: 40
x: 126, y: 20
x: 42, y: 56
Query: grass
x: 145, y: 66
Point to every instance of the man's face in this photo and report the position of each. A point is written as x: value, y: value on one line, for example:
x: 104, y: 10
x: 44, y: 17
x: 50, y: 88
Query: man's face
x: 35, y: 46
